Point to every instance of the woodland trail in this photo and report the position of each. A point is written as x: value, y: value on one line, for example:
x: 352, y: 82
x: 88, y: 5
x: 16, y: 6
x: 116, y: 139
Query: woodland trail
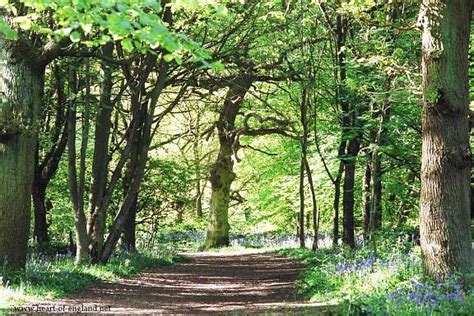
x: 222, y: 283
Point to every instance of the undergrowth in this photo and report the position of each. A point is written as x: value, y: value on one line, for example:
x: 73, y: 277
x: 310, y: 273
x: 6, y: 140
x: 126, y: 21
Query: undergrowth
x: 47, y: 276
x: 389, y: 281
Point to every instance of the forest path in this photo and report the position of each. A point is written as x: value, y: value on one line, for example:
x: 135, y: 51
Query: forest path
x: 209, y: 283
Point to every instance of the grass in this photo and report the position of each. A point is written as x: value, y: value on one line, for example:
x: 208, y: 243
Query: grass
x: 389, y: 282
x: 47, y: 277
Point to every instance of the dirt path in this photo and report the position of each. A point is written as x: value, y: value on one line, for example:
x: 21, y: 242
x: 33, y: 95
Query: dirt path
x: 209, y: 283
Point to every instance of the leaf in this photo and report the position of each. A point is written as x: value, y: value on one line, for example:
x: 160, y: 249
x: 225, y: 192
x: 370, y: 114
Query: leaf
x: 8, y: 31
x: 75, y: 37
x: 217, y: 66
x: 168, y: 57
x: 86, y: 27
x: 127, y: 45
x: 23, y: 22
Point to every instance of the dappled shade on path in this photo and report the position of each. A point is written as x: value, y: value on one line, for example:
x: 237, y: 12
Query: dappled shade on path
x: 209, y: 282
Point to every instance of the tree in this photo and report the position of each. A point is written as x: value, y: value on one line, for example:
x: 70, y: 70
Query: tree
x: 446, y: 155
x: 222, y: 174
x: 21, y: 81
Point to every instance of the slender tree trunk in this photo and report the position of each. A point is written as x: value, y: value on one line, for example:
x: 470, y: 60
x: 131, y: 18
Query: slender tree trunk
x: 97, y: 214
x: 197, y: 166
x: 46, y: 166
x: 342, y: 93
x: 336, y: 202
x: 222, y: 174
x: 384, y: 113
x: 348, y: 136
x: 405, y: 208
x: 40, y: 231
x: 375, y: 220
x: 314, y: 204
x: 128, y: 239
x: 198, y: 198
x: 336, y: 181
x: 446, y: 155
x: 21, y: 84
x: 348, y: 237
x: 75, y: 180
x: 301, y: 230
x: 129, y: 228
x: 366, y: 192
x: 147, y: 117
x: 340, y: 75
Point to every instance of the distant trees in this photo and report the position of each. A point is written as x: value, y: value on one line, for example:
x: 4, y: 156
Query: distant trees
x: 446, y: 155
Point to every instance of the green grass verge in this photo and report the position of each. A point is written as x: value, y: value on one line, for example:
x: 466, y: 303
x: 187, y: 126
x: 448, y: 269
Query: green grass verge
x: 389, y: 282
x: 47, y: 277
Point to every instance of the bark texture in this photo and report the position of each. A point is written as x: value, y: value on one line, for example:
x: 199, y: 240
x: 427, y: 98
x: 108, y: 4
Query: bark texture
x: 20, y: 94
x: 446, y: 156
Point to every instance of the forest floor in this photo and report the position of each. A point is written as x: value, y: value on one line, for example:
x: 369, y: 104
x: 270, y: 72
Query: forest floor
x: 209, y: 282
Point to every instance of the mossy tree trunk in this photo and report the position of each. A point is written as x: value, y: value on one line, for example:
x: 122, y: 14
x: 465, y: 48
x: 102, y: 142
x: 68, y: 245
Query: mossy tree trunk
x: 222, y: 175
x: 446, y: 155
x: 21, y: 84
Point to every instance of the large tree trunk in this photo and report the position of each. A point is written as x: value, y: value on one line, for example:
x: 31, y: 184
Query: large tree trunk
x: 21, y: 85
x: 446, y: 156
x: 222, y: 174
